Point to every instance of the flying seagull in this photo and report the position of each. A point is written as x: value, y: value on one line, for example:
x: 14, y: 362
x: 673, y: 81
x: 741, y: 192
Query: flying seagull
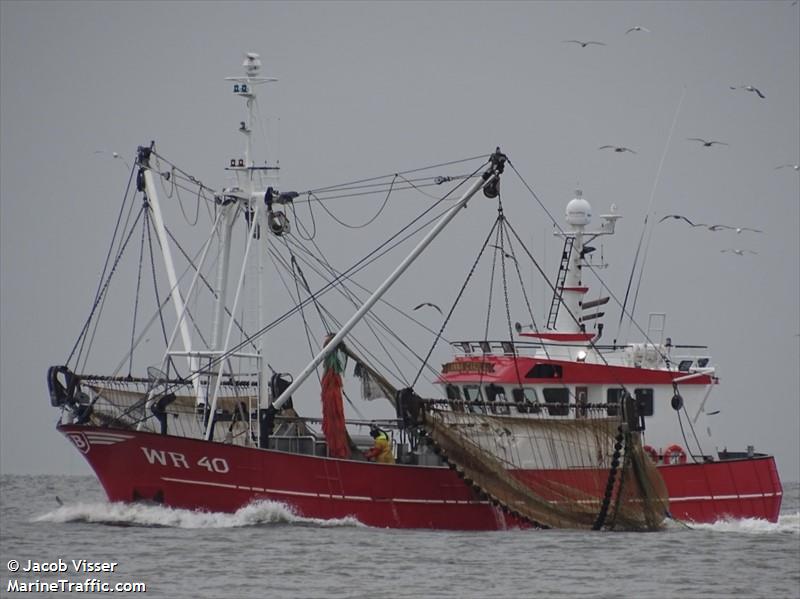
x: 729, y: 228
x: 749, y: 88
x: 506, y: 254
x: 681, y: 217
x: 583, y: 44
x: 637, y: 28
x: 794, y: 166
x: 617, y: 149
x: 707, y: 143
x: 738, y: 252
x: 434, y: 306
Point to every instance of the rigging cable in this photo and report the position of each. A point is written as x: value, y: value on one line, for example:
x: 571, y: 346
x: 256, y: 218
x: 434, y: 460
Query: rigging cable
x: 100, y: 283
x: 136, y: 301
x: 155, y: 281
x: 356, y: 301
x: 367, y: 223
x: 455, y: 302
x: 378, y: 252
x: 100, y: 296
x: 644, y: 226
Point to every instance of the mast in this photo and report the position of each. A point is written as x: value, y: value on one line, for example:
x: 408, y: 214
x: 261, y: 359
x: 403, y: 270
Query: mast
x: 146, y: 184
x: 244, y: 197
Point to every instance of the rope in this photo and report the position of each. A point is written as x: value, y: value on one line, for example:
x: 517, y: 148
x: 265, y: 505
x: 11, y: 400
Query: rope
x: 99, y: 296
x: 455, y: 302
x: 136, y: 302
x: 155, y: 281
x: 646, y: 216
x: 362, y: 225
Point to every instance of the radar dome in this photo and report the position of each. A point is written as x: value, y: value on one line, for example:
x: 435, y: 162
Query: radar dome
x: 579, y: 211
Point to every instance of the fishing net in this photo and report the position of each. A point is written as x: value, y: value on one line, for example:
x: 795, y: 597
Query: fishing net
x: 586, y: 472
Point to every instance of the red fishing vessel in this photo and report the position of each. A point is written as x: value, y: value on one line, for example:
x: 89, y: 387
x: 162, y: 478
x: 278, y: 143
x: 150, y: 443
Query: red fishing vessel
x: 549, y: 426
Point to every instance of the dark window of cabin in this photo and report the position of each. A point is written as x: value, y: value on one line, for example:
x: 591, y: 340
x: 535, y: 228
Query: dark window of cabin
x: 526, y: 401
x: 472, y: 393
x: 496, y: 393
x: 454, y: 394
x: 508, y: 348
x: 685, y: 365
x: 557, y: 401
x: 703, y: 362
x: 614, y: 399
x: 485, y: 347
x: 644, y: 401
x: 545, y: 371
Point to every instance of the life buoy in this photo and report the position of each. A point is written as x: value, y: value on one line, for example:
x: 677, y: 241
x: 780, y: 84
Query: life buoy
x: 652, y: 452
x: 674, y: 454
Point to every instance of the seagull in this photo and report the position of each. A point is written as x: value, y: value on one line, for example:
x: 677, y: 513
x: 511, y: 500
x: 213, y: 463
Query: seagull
x: 706, y: 143
x: 617, y: 149
x: 737, y: 229
x: 434, y: 306
x: 506, y: 254
x: 637, y: 28
x: 583, y: 44
x: 681, y: 217
x: 113, y: 155
x: 738, y: 252
x: 749, y: 88
x: 58, y: 501
x: 794, y: 166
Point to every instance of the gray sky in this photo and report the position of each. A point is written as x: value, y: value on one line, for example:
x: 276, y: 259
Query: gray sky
x: 373, y: 88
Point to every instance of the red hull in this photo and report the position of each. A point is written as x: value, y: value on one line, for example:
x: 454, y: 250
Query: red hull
x: 194, y: 474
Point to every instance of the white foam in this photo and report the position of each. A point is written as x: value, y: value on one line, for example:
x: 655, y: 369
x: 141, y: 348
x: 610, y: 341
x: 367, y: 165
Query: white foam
x: 137, y: 514
x: 787, y: 523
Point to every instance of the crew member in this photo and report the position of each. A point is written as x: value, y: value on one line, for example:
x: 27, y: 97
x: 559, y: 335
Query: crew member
x: 381, y: 451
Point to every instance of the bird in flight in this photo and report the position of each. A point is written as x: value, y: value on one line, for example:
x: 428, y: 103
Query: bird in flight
x: 794, y: 166
x: 506, y: 254
x: 583, y: 44
x: 749, y: 88
x: 617, y: 149
x: 637, y: 28
x: 681, y: 217
x: 738, y: 252
x: 434, y: 306
x: 707, y: 143
x: 729, y: 228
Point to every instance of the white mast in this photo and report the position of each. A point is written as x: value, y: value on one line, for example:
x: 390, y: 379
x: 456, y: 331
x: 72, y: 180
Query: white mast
x: 158, y: 221
x: 244, y: 196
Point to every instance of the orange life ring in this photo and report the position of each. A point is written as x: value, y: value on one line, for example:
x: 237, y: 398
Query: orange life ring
x: 652, y: 452
x: 674, y: 454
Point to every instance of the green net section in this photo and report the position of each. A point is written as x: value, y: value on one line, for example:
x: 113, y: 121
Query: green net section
x: 584, y: 473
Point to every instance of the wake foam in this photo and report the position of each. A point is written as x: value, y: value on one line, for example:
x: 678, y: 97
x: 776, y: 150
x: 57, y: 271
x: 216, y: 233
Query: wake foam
x: 787, y: 523
x: 136, y: 514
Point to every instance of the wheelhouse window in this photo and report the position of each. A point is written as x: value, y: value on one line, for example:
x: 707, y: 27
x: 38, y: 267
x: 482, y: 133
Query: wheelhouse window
x: 472, y: 393
x: 545, y: 371
x: 614, y: 400
x: 496, y: 394
x: 557, y: 401
x: 526, y: 400
x: 644, y: 401
x: 454, y: 394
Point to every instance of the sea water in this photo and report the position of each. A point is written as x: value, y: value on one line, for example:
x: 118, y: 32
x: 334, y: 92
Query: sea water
x: 264, y: 551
